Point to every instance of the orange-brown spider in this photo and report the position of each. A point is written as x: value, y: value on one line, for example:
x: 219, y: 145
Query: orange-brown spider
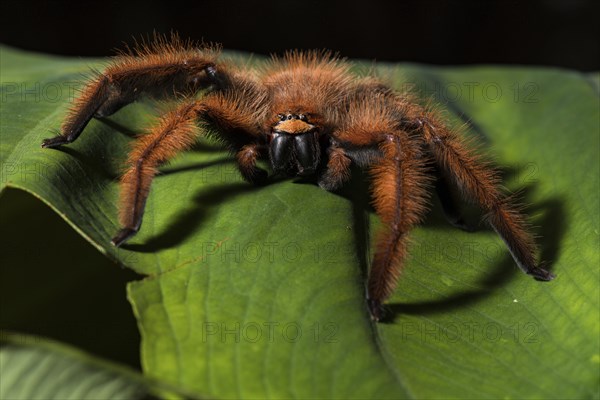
x: 309, y: 116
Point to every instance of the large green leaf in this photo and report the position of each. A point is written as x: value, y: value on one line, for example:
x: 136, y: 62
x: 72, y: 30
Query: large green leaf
x: 259, y: 292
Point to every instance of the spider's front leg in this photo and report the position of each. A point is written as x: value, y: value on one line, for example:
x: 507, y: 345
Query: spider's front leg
x: 399, y: 191
x: 160, y: 70
x: 400, y: 181
x: 480, y: 184
x: 177, y: 132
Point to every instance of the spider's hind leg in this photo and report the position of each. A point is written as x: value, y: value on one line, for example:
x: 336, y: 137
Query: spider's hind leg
x: 92, y: 99
x: 480, y: 184
x: 159, y: 70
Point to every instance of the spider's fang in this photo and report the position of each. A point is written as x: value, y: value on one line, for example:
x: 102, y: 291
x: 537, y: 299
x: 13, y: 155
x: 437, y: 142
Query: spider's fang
x: 281, y: 147
x: 307, y: 153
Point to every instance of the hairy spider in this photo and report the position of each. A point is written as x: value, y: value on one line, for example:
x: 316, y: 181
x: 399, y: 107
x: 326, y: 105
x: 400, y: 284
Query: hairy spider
x: 309, y: 116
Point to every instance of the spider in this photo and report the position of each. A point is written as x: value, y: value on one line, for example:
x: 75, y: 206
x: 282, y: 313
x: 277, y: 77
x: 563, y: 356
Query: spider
x: 309, y: 116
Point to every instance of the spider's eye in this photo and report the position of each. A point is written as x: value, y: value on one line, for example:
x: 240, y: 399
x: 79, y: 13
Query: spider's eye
x: 289, y: 116
x: 302, y: 117
x: 281, y: 117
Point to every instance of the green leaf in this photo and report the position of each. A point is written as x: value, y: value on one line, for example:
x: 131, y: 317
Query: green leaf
x: 259, y: 292
x: 35, y: 368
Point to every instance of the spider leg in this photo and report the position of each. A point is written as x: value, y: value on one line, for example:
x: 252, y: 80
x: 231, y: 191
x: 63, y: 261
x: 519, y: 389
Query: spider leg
x: 400, y: 170
x: 479, y: 182
x: 338, y: 169
x: 246, y: 158
x: 176, y: 132
x: 159, y: 70
x: 400, y: 183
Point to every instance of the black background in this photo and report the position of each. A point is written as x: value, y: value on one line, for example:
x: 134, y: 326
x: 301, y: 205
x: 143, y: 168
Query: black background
x: 535, y: 32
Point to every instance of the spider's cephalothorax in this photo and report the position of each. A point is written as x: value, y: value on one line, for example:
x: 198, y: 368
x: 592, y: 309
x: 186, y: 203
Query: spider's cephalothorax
x: 308, y: 115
